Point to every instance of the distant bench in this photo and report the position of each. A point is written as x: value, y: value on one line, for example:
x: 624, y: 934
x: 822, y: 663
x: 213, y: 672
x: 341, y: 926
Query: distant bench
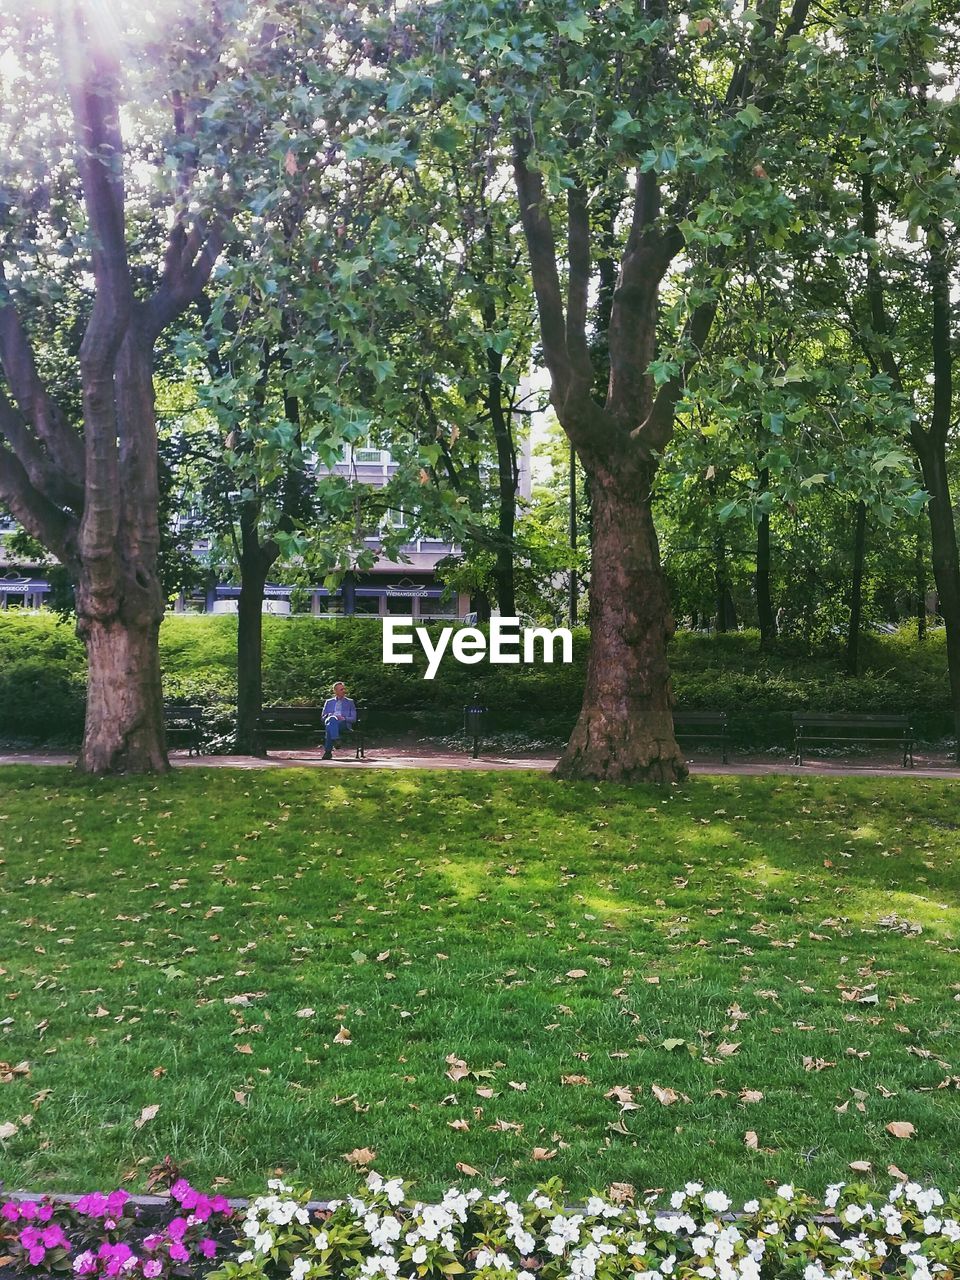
x: 184, y: 727
x: 291, y: 725
x: 705, y: 726
x: 821, y: 729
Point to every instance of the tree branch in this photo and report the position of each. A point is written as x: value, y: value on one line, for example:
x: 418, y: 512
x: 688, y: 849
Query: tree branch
x: 40, y: 517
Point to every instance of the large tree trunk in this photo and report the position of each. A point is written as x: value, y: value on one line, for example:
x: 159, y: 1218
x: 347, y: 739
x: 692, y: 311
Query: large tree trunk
x: 946, y: 559
x: 920, y: 585
x: 124, y: 722
x: 625, y: 729
x: 507, y: 495
x: 856, y: 589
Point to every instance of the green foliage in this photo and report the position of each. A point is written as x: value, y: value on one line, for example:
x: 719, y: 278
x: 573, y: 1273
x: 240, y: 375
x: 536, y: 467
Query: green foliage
x: 41, y: 679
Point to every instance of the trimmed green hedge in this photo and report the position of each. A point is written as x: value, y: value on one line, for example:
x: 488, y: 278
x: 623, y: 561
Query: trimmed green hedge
x: 42, y: 679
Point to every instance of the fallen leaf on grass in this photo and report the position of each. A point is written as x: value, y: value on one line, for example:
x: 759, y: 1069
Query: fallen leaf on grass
x: 467, y: 1169
x: 751, y: 1141
x: 623, y: 1095
x: 860, y: 1166
x: 360, y: 1157
x: 146, y: 1114
x: 8, y: 1130
x: 306, y: 1013
x: 519, y: 1085
x: 343, y: 1036
x: 244, y: 1048
x: 901, y: 1129
x: 541, y: 1153
x: 751, y: 1095
x: 726, y: 1048
x: 817, y: 1064
x: 576, y: 973
x: 8, y: 1073
x: 894, y: 1172
x: 574, y: 1079
x: 667, y: 1097
x: 621, y: 1192
x: 460, y: 1125
x: 240, y: 1096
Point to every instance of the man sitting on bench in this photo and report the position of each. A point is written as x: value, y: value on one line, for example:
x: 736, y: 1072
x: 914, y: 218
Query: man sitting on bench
x: 339, y: 714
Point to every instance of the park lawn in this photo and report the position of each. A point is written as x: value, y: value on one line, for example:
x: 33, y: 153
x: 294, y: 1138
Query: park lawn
x: 289, y: 966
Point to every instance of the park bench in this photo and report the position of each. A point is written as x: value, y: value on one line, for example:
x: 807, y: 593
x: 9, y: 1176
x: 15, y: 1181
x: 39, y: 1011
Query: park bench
x: 294, y: 725
x: 703, y: 726
x: 184, y: 727
x: 815, y: 728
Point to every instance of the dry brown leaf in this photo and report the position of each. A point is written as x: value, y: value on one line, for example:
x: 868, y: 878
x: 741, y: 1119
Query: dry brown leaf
x: 467, y: 1169
x: 146, y: 1114
x: 726, y: 1048
x: 240, y: 1096
x: 751, y: 1095
x: 8, y: 1130
x: 666, y: 1097
x: 901, y: 1129
x: 623, y: 1095
x: 9, y: 1073
x: 342, y: 1036
x: 360, y: 1157
x: 460, y: 1125
x: 574, y: 1080
x: 621, y: 1192
x: 519, y: 1085
x: 860, y: 1166
x: 541, y: 1153
x: 306, y: 1013
x: 751, y: 1141
x: 244, y: 1048
x: 484, y: 1091
x: 576, y: 973
x: 894, y: 1172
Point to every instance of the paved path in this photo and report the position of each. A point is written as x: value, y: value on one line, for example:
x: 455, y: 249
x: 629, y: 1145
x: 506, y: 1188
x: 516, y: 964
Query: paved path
x: 426, y: 758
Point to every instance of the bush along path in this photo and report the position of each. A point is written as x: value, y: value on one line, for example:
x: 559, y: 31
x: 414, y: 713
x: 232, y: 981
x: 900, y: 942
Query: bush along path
x: 853, y: 1233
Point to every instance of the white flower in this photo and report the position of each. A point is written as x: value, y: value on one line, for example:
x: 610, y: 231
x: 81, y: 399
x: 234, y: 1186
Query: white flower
x: 833, y: 1195
x: 246, y: 1256
x: 716, y: 1201
x: 786, y: 1191
x: 321, y: 1240
x: 394, y: 1191
x: 852, y: 1214
x: 543, y: 1203
x: 693, y: 1188
x: 800, y: 1233
x: 951, y: 1229
x: 752, y: 1206
x: 263, y: 1243
x: 300, y: 1268
x: 419, y: 1254
x: 814, y: 1272
x: 677, y: 1199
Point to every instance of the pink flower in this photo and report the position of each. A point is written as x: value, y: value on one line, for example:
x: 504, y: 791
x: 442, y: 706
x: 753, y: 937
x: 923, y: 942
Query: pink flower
x: 116, y: 1201
x: 45, y: 1212
x: 10, y: 1211
x: 29, y: 1237
x: 152, y: 1268
x: 152, y: 1242
x: 53, y: 1237
x: 179, y: 1252
x: 84, y: 1263
x: 29, y: 1209
x: 37, y: 1255
x: 208, y: 1247
x: 220, y: 1204
x: 177, y: 1228
x: 93, y: 1205
x: 180, y: 1189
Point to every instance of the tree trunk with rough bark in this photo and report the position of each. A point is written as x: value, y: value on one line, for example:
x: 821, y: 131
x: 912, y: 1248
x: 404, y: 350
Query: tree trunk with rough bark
x: 625, y: 729
x: 920, y: 585
x: 256, y: 560
x: 91, y: 496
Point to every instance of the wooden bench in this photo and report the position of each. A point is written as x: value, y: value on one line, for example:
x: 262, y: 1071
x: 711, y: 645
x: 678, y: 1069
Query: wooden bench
x: 295, y: 725
x: 820, y: 729
x: 184, y: 726
x: 705, y: 726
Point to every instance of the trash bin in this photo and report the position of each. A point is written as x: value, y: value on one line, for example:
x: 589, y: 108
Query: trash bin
x: 473, y: 718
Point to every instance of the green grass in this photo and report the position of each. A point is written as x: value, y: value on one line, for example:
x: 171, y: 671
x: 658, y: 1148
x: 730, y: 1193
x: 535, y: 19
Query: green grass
x: 441, y: 914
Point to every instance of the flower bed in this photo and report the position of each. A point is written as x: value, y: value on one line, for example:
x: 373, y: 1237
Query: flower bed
x: 852, y: 1234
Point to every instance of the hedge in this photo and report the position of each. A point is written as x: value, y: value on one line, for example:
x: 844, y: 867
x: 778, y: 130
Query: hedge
x: 42, y: 679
